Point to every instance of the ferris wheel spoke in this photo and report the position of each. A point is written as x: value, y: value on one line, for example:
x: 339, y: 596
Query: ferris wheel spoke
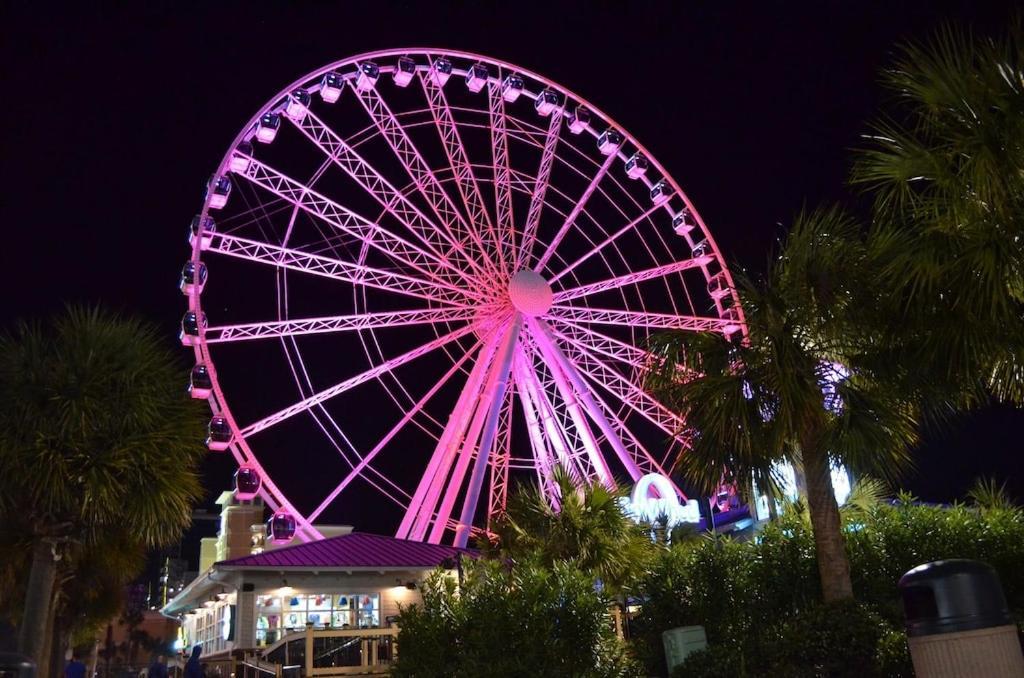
x: 549, y: 347
x: 596, y: 248
x: 501, y: 463
x: 352, y: 382
x: 629, y: 279
x: 644, y: 459
x: 539, y: 437
x: 657, y: 321
x: 436, y: 239
x: 421, y: 509
x: 570, y: 445
x: 570, y: 219
x: 458, y: 159
x: 406, y: 418
x: 574, y: 407
x: 327, y: 267
x: 625, y: 390
x: 423, y: 177
x: 347, y: 221
x: 540, y: 189
x: 636, y: 358
x: 338, y: 323
x: 502, y: 171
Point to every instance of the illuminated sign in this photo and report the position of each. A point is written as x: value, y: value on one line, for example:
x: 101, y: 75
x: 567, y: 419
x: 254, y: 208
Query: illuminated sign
x: 641, y: 506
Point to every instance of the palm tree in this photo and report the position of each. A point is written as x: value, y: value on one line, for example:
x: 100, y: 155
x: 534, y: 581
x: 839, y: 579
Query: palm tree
x: 588, y: 527
x: 943, y: 166
x: 96, y: 435
x: 804, y: 387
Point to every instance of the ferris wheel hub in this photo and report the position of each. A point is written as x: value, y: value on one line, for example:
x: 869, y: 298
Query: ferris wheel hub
x: 530, y: 293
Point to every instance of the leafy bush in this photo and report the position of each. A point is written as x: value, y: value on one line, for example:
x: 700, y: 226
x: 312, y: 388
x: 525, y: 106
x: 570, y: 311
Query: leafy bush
x: 505, y: 622
x: 759, y: 601
x: 714, y: 662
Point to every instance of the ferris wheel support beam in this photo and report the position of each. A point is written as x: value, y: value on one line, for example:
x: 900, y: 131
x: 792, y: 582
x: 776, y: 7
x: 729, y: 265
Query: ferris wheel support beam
x: 462, y: 170
x: 349, y: 161
x: 570, y: 219
x: 502, y: 172
x: 421, y: 174
x: 595, y: 249
x: 540, y: 189
x: 625, y: 390
x: 327, y: 267
x: 636, y: 358
x: 534, y: 429
x: 493, y: 401
x: 575, y: 410
x: 629, y: 279
x: 548, y: 418
x: 352, y: 382
x: 339, y: 323
x: 549, y: 347
x: 406, y: 418
x: 657, y: 321
x: 421, y: 508
x: 500, y: 463
x: 348, y: 222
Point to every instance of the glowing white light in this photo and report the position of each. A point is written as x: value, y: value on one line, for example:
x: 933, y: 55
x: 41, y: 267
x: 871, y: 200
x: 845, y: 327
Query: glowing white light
x: 642, y: 507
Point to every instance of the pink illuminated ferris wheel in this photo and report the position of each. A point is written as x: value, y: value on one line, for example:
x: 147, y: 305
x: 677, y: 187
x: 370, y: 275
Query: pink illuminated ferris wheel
x: 429, y: 271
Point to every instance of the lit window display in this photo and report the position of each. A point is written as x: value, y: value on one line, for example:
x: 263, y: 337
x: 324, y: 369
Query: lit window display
x: 278, y: 615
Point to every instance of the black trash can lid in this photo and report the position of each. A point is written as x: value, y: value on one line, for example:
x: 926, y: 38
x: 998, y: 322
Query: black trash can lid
x: 947, y: 596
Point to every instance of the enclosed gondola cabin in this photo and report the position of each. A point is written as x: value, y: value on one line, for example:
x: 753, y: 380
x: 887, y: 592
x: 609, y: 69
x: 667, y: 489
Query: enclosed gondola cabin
x: 547, y: 102
x: 241, y: 157
x: 193, y: 278
x: 267, y: 127
x: 476, y: 78
x: 217, y: 191
x: 440, y: 71
x: 200, y: 385
x: 331, y: 86
x: 405, y: 69
x: 202, y: 228
x: 661, y: 192
x: 367, y: 75
x: 281, y: 527
x: 190, y: 324
x: 636, y: 166
x: 511, y: 88
x: 731, y: 316
x: 247, y: 483
x: 609, y: 141
x: 298, y: 104
x: 219, y: 434
x: 718, y: 286
x: 577, y: 119
x: 682, y: 223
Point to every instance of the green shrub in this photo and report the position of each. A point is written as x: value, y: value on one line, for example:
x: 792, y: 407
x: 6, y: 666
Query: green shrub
x: 714, y: 662
x: 753, y: 597
x: 505, y: 623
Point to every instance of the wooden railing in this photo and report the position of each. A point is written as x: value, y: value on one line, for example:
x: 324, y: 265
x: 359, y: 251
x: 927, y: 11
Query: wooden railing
x: 332, y: 652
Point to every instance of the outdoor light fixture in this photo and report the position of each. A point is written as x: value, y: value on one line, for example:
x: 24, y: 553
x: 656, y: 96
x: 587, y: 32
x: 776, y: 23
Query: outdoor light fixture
x: 285, y: 590
x: 223, y: 594
x: 210, y: 602
x: 411, y: 585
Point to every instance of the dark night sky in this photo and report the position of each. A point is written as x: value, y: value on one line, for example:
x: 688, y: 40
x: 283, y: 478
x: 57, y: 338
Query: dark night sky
x: 114, y: 115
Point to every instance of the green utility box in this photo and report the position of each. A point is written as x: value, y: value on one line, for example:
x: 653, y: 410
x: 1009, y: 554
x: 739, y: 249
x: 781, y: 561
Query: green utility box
x: 681, y: 642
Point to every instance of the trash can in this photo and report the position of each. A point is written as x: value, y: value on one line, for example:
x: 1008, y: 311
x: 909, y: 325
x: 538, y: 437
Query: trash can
x: 958, y: 623
x: 680, y: 642
x: 13, y: 665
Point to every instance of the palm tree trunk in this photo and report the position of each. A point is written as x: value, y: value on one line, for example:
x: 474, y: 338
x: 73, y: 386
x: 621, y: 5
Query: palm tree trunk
x: 38, y: 596
x: 829, y: 544
x: 58, y: 648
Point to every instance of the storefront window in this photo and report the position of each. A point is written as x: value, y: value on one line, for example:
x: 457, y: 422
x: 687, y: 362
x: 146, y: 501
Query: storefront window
x: 278, y: 615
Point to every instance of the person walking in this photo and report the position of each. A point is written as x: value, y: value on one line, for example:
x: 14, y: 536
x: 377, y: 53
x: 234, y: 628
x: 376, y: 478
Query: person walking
x: 75, y: 668
x: 193, y: 669
x: 157, y: 668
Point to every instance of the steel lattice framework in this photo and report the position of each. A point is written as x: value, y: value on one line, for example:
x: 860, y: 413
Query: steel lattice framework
x: 458, y: 263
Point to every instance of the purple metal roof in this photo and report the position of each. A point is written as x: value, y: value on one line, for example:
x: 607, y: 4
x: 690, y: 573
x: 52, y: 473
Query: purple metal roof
x: 355, y: 550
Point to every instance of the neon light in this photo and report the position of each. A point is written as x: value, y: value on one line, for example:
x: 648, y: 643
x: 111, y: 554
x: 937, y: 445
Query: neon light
x: 642, y: 507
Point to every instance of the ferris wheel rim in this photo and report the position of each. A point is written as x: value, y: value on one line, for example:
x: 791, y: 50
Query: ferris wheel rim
x: 245, y: 455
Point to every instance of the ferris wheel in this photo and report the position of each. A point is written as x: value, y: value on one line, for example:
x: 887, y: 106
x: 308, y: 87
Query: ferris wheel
x: 430, y: 271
